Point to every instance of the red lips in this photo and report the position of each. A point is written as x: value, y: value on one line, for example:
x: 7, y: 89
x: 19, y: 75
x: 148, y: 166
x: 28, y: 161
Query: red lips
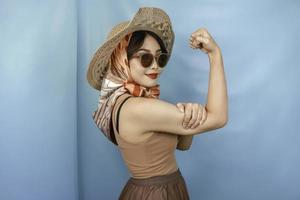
x: 152, y: 75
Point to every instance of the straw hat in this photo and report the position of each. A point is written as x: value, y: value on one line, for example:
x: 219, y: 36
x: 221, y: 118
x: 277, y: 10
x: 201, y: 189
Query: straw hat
x: 147, y: 18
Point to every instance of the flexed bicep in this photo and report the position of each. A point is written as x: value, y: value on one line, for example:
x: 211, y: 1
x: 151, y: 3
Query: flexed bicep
x: 161, y: 116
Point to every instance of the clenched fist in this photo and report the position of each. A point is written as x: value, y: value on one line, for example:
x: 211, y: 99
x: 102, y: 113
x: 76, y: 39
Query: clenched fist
x: 201, y: 39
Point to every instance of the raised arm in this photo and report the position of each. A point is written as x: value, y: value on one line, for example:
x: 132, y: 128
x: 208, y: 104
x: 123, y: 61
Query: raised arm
x: 184, y: 142
x: 217, y: 100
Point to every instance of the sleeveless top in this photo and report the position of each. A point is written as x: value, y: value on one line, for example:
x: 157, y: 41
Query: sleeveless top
x: 153, y: 156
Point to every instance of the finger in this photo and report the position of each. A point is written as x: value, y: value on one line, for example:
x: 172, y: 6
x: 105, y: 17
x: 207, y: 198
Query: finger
x: 192, y: 46
x: 180, y: 106
x: 187, y: 114
x: 192, y: 42
x: 198, y: 43
x: 204, y: 115
x: 202, y: 39
x: 201, y: 34
x: 200, y: 31
x: 199, y: 114
x: 203, y: 118
x: 192, y: 39
x: 195, y: 109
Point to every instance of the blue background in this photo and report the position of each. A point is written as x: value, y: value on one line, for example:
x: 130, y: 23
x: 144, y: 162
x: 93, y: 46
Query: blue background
x: 51, y: 149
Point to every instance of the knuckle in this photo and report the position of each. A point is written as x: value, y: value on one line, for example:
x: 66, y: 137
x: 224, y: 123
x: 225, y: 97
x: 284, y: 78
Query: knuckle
x: 199, y: 38
x: 200, y: 112
x: 189, y: 104
x: 193, y: 121
x: 197, y: 124
x: 188, y: 111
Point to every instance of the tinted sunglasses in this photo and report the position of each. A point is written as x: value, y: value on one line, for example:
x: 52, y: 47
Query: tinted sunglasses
x: 147, y: 59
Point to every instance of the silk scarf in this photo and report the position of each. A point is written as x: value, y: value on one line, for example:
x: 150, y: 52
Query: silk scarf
x: 118, y: 81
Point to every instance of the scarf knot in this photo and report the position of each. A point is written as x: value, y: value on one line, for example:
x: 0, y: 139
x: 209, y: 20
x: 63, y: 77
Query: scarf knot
x: 141, y: 91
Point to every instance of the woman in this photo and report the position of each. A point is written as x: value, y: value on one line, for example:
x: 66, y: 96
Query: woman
x: 130, y: 114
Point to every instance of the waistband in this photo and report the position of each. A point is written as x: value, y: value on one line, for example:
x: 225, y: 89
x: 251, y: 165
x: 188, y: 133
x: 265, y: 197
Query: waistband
x: 157, y: 179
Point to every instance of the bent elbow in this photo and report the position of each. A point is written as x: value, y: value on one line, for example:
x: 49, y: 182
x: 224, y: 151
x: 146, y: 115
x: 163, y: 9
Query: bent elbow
x: 223, y: 122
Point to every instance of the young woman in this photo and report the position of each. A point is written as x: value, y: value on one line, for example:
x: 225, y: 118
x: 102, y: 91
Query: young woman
x: 146, y: 129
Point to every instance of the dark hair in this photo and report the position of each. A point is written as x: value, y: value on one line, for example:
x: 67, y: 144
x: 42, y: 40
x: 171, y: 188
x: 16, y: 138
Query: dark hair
x: 137, y: 40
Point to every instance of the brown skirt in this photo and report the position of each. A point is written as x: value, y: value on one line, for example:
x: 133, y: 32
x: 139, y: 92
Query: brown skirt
x: 164, y: 187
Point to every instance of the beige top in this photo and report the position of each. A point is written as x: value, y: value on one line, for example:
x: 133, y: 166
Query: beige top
x: 151, y: 157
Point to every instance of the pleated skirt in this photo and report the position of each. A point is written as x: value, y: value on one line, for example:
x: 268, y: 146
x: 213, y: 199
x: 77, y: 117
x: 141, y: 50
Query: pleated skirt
x: 165, y: 187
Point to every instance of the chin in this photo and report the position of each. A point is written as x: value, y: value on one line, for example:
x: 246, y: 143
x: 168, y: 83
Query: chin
x: 147, y: 82
x: 150, y: 82
x: 151, y: 85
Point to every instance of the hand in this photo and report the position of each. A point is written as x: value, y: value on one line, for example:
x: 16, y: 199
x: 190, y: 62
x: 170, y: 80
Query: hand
x: 194, y: 114
x: 201, y: 39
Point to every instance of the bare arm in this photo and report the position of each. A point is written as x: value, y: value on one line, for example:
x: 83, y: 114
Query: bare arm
x: 149, y: 114
x: 215, y: 58
x: 156, y: 115
x: 217, y: 90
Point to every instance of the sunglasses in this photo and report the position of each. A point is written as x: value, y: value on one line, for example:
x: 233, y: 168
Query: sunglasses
x: 146, y: 59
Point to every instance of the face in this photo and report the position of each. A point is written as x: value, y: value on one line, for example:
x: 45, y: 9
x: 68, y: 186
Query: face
x: 138, y: 72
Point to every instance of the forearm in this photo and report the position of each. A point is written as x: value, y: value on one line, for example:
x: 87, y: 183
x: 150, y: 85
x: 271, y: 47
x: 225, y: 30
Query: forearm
x: 217, y: 90
x: 184, y: 142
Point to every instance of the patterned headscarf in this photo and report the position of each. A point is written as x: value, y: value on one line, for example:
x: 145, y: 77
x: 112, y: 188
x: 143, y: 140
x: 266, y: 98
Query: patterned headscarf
x: 117, y: 82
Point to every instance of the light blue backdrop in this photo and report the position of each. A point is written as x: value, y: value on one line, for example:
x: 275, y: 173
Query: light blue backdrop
x: 38, y: 109
x: 51, y: 149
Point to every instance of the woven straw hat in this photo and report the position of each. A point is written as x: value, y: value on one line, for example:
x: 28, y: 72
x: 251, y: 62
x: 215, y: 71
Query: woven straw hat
x: 147, y: 18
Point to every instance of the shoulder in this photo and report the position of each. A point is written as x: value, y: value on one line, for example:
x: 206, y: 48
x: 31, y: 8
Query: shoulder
x: 124, y: 113
x: 137, y: 106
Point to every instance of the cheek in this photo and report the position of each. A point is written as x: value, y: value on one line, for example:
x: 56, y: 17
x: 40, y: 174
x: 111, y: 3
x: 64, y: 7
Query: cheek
x: 136, y: 70
x: 141, y: 71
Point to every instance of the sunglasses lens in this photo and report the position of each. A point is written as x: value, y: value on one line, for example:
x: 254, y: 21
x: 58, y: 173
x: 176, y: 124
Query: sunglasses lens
x: 146, y: 59
x: 162, y: 60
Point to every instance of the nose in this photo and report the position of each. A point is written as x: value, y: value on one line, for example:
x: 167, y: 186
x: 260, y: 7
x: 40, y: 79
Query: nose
x: 154, y: 64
